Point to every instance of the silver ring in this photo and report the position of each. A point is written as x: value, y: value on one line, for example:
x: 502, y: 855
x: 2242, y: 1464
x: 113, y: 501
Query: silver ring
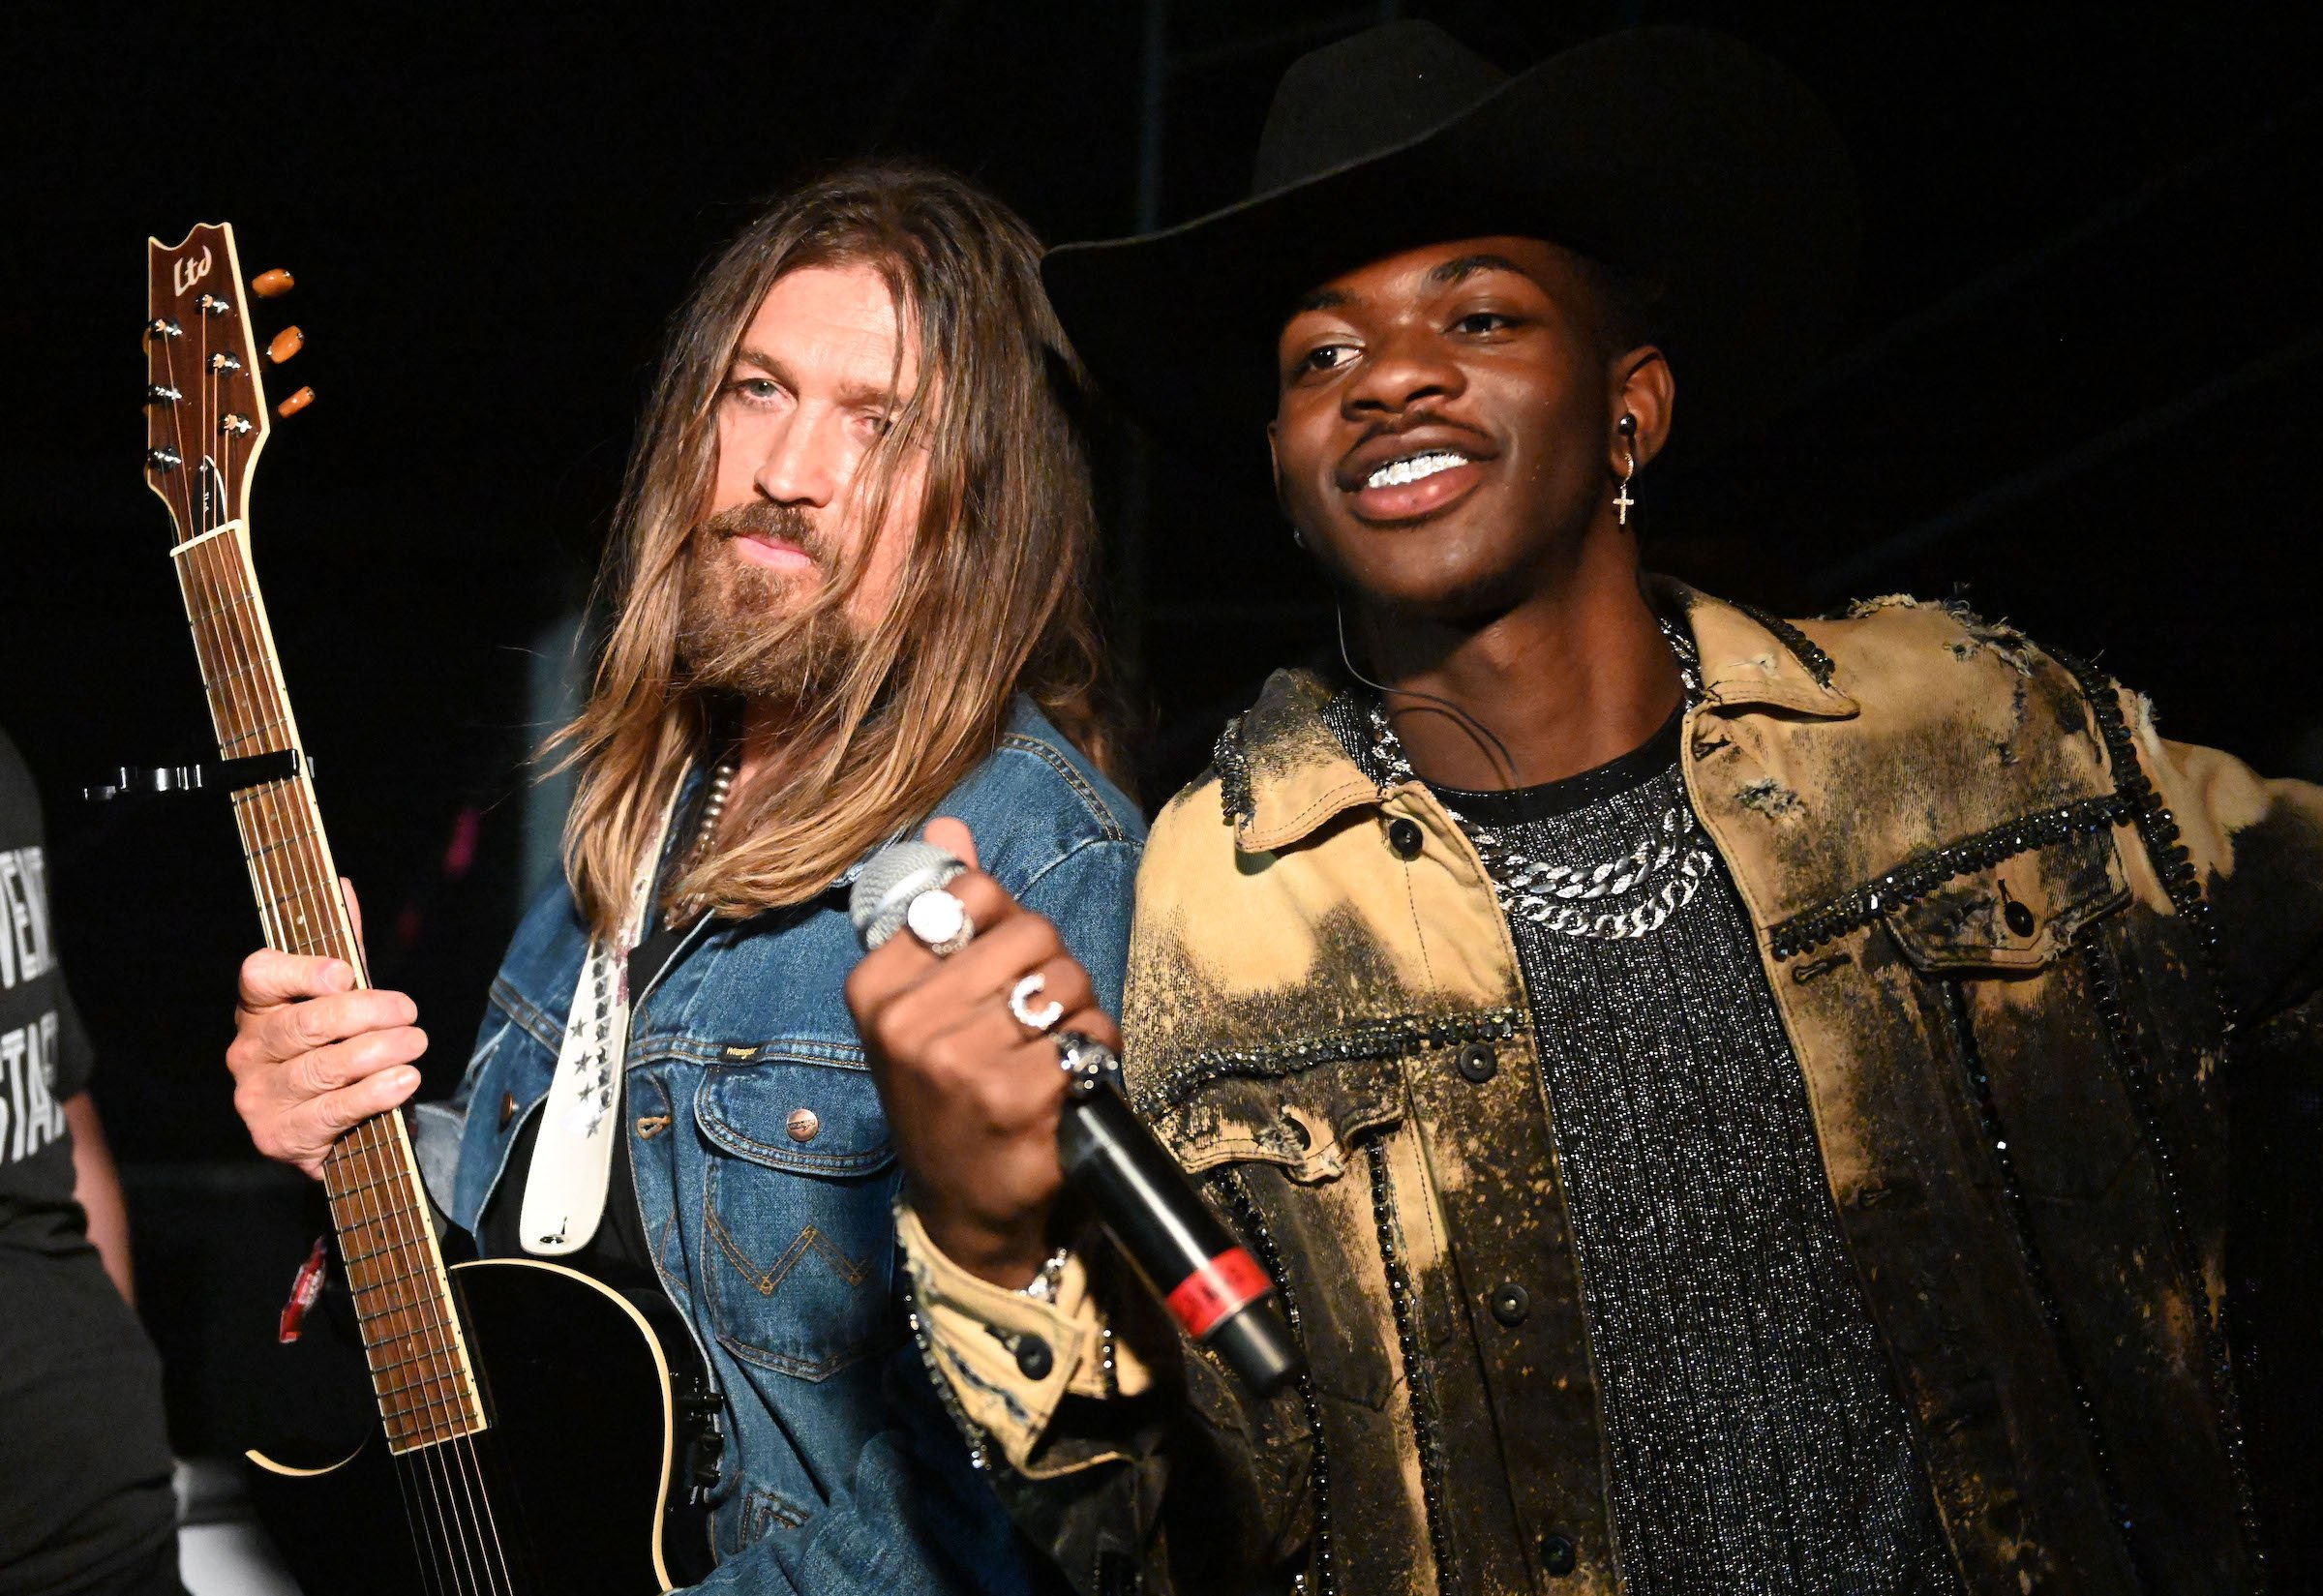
x: 940, y: 922
x: 1081, y: 1056
x: 1039, y: 1021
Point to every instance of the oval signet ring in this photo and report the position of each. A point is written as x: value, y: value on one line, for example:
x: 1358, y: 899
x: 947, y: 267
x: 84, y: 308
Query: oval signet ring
x: 1039, y: 1021
x: 940, y: 920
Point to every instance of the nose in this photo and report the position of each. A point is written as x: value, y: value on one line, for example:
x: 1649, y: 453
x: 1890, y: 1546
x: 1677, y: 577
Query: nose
x: 806, y: 463
x: 1406, y: 367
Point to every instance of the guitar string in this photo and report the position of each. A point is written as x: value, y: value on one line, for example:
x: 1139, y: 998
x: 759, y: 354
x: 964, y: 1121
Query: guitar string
x: 268, y: 806
x: 258, y: 817
x: 214, y: 644
x: 454, y: 1470
x: 210, y: 630
x: 276, y: 871
x: 238, y: 673
x: 416, y: 1321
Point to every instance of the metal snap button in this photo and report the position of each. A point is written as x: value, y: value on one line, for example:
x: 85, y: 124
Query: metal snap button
x: 802, y: 1125
x: 1511, y: 1302
x: 1478, y: 1062
x: 1033, y: 1359
x: 1558, y: 1555
x: 507, y: 1108
x: 1403, y: 836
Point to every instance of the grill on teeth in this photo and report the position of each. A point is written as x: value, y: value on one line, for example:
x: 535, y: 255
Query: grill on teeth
x: 1396, y: 472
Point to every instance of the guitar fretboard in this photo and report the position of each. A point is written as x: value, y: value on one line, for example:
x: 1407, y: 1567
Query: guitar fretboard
x: 419, y: 1363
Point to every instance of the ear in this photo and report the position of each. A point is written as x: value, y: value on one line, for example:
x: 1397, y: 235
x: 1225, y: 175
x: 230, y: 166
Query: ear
x: 1642, y: 388
x: 1273, y: 465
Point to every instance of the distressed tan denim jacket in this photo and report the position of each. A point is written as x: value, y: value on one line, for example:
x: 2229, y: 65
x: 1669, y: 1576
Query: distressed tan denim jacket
x: 2007, y: 928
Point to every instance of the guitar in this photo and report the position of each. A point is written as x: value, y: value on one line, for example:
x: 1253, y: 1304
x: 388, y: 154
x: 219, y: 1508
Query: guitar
x: 527, y: 1414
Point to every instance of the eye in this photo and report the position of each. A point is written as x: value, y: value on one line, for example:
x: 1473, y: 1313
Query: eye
x: 1325, y: 358
x: 756, y: 391
x: 1483, y: 321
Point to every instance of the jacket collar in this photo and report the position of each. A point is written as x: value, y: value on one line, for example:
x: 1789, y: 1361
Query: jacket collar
x: 1282, y: 774
x: 1751, y: 658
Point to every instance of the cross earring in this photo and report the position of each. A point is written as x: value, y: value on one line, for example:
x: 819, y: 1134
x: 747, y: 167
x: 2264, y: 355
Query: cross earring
x: 1624, y: 503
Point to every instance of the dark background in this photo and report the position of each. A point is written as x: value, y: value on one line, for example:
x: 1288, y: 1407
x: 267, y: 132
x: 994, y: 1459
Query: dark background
x: 2078, y: 386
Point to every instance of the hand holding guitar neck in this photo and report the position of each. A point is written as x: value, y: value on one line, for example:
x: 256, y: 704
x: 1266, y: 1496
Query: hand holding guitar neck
x: 316, y: 1053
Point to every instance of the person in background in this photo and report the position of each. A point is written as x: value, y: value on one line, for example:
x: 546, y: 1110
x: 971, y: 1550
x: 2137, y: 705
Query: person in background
x: 85, y: 1503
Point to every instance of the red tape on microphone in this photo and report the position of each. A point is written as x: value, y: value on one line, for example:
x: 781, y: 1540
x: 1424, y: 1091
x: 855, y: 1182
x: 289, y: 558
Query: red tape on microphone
x: 1225, y: 1284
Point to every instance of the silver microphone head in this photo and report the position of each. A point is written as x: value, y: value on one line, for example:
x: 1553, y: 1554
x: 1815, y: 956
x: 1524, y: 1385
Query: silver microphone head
x: 888, y: 880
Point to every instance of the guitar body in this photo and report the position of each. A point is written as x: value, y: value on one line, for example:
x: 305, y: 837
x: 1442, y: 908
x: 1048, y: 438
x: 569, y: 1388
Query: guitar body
x: 567, y: 1489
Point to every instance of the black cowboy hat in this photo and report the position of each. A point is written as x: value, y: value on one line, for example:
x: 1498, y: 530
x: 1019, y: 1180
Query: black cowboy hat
x: 1681, y: 156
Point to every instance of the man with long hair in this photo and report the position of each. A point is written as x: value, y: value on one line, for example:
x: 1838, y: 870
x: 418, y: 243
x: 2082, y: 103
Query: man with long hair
x: 1730, y: 1105
x: 850, y: 589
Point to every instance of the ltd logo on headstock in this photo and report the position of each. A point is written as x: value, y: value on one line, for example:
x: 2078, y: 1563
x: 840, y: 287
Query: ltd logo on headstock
x: 189, y: 272
x: 205, y: 407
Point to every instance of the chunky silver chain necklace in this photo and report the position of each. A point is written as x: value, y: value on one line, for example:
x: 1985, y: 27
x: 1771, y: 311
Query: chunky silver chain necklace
x: 1630, y: 895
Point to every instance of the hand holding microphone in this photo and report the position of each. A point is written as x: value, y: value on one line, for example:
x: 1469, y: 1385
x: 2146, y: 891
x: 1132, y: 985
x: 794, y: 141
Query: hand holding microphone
x: 998, y: 1072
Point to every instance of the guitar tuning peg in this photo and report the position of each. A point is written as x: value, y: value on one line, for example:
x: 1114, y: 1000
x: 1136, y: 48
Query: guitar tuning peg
x: 286, y: 344
x: 273, y: 284
x: 296, y: 402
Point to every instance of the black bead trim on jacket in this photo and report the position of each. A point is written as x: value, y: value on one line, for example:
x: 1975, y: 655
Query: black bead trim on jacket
x: 1379, y: 1038
x: 2131, y: 1069
x: 2036, y: 1269
x: 2157, y: 828
x: 1251, y: 1226
x: 1233, y: 768
x: 1818, y: 663
x: 1419, y: 1375
x: 978, y: 1443
x: 1924, y: 873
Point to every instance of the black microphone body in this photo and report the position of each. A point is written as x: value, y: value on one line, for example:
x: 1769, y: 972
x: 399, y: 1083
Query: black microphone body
x: 1183, y: 1251
x: 1207, y: 1279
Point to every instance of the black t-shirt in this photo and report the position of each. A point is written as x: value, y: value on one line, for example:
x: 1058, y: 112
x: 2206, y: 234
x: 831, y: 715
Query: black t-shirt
x: 84, y: 1466
x: 45, y: 1055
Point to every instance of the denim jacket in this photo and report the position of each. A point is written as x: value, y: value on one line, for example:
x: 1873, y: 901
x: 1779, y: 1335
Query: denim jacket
x: 839, y: 1473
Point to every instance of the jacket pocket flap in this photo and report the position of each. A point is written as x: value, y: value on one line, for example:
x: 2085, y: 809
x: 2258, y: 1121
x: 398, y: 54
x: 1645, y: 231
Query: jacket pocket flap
x: 2016, y: 914
x: 1303, y: 1122
x: 812, y: 1119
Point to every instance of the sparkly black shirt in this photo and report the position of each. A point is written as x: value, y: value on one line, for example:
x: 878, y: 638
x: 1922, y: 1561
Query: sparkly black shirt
x: 1754, y: 1432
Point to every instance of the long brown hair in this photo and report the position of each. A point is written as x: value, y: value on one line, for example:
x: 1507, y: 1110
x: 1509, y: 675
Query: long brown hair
x: 994, y: 595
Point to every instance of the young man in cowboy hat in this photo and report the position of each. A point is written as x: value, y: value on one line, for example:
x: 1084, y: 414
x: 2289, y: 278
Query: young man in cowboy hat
x: 1729, y: 1104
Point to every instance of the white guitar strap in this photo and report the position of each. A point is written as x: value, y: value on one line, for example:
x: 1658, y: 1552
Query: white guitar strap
x: 572, y: 1160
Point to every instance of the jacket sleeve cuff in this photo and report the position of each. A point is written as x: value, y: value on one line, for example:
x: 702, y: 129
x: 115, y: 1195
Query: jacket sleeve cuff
x: 980, y: 1337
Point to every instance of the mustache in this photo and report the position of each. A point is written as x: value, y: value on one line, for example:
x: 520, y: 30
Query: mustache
x: 1411, y: 421
x: 783, y: 523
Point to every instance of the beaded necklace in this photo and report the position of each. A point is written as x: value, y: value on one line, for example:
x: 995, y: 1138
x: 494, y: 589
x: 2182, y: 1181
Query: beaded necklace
x: 713, y: 809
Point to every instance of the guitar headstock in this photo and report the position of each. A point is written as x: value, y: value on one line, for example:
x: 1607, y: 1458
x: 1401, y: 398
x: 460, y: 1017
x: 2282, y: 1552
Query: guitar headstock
x: 206, y: 416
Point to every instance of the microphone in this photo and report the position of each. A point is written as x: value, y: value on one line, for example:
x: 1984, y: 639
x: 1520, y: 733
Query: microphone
x: 1176, y: 1241
x: 886, y: 883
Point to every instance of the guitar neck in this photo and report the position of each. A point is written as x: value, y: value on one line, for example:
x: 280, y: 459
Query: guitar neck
x: 420, y: 1370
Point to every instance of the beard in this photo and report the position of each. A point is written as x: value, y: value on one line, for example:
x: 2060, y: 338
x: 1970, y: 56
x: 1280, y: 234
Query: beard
x: 744, y: 629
